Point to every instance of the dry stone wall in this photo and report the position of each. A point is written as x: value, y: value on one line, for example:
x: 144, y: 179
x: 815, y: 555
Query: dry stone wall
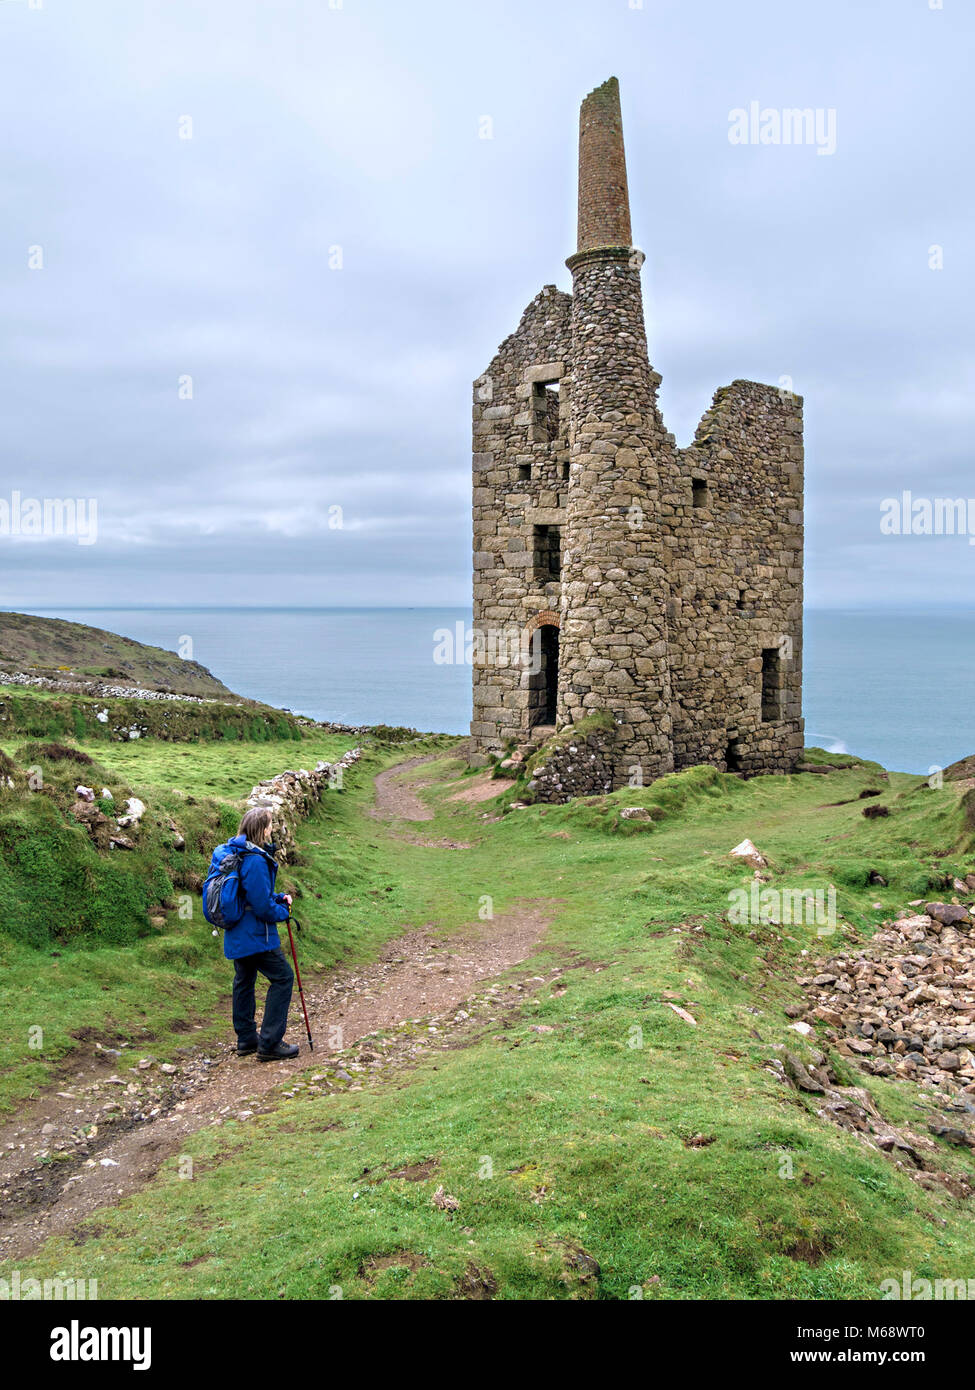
x: 293, y: 795
x: 583, y: 766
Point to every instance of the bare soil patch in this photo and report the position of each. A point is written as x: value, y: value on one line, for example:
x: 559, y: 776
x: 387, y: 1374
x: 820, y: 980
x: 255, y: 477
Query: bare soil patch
x: 482, y: 788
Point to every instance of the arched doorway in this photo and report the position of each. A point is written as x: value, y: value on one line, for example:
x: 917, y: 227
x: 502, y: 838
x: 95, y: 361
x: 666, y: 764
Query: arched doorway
x: 543, y: 678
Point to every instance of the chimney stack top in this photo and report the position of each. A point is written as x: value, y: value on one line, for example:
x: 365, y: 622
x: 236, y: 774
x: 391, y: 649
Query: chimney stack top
x: 604, y: 202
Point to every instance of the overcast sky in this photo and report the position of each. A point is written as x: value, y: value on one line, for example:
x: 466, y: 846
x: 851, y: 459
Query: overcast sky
x: 329, y: 378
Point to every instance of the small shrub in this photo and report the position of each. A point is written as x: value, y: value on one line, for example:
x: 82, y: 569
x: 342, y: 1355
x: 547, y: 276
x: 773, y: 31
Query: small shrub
x: 58, y: 753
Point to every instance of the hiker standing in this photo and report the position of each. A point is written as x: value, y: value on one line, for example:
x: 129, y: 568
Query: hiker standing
x: 253, y: 943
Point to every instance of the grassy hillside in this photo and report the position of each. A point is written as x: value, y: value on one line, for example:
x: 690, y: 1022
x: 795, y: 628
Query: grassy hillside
x: 599, y: 1145
x: 97, y: 941
x: 57, y: 648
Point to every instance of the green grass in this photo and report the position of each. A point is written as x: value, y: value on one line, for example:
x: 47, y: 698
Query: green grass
x: 79, y: 956
x: 583, y: 1131
x: 225, y: 770
x: 39, y: 714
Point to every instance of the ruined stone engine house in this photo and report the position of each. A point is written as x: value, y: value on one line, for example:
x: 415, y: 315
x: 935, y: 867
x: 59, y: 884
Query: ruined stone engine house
x: 655, y: 592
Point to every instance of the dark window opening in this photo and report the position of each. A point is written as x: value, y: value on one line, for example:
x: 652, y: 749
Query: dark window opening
x: 547, y: 553
x: 741, y: 599
x: 771, y: 684
x: 545, y: 401
x: 699, y: 492
x: 524, y: 472
x: 543, y: 682
x: 565, y: 471
x: 732, y: 756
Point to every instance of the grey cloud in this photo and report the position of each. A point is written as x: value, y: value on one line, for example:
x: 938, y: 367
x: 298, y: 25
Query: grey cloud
x: 358, y: 127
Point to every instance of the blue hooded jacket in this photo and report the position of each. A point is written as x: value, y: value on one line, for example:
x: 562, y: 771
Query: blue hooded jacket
x: 256, y: 931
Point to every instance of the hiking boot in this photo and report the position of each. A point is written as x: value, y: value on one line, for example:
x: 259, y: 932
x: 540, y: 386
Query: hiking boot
x: 279, y: 1053
x: 247, y: 1050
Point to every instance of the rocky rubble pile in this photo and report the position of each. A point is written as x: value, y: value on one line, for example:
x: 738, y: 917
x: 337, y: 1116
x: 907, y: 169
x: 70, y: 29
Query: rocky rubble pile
x: 293, y: 794
x: 852, y: 1108
x: 904, y: 1005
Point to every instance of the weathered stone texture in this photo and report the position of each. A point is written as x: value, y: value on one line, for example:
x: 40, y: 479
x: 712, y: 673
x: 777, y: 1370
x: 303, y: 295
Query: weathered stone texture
x: 664, y: 586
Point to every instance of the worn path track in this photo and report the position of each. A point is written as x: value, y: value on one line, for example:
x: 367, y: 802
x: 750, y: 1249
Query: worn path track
x: 395, y: 798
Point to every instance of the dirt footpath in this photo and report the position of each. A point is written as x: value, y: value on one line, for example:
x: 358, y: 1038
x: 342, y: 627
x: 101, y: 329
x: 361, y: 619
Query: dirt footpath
x: 417, y: 978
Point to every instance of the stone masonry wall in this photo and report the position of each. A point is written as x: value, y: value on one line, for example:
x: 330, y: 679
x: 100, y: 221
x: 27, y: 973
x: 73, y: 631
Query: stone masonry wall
x: 613, y: 653
x: 734, y: 568
x: 512, y: 437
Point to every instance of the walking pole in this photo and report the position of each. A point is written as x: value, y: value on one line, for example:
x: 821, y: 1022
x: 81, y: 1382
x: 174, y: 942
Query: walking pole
x: 301, y: 992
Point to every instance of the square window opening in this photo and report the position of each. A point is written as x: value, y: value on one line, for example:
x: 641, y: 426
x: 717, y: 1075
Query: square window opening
x: 547, y: 553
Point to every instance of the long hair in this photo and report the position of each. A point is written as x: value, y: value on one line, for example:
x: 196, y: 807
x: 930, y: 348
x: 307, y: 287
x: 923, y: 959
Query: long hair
x: 255, y: 823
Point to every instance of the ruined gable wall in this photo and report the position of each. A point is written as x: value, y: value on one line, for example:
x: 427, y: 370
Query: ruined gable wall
x: 735, y: 575
x: 513, y: 431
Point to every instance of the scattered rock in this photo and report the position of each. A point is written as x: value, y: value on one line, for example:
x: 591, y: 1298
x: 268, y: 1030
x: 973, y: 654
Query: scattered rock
x: 682, y: 1013
x: 950, y: 914
x: 443, y: 1201
x: 134, y: 811
x: 797, y: 1073
x: 949, y: 1133
x: 750, y: 854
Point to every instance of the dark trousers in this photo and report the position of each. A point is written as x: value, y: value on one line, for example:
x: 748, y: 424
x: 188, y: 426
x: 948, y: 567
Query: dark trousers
x: 276, y: 970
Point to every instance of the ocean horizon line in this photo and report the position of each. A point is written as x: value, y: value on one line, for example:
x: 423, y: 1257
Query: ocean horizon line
x: 875, y: 609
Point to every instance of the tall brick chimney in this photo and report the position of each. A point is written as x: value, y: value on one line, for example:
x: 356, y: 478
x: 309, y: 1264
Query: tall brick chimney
x: 604, y: 203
